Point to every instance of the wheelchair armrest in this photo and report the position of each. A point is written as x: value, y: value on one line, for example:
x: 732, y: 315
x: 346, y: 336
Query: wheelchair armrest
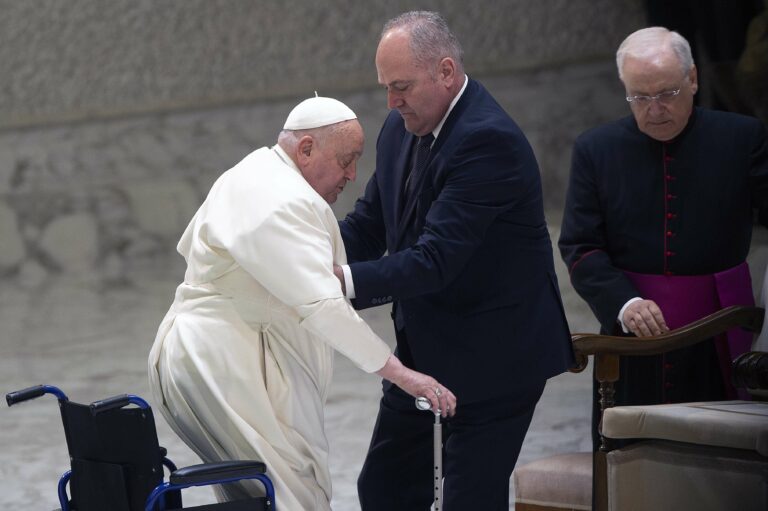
x: 205, y: 472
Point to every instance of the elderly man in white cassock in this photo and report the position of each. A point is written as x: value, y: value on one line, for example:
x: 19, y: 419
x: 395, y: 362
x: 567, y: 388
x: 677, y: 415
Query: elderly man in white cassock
x: 242, y: 362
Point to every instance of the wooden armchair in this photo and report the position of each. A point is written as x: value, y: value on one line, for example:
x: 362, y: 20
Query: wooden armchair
x: 566, y: 481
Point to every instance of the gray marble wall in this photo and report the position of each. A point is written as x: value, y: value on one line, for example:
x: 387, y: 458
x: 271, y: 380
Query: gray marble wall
x: 117, y: 115
x: 85, y: 59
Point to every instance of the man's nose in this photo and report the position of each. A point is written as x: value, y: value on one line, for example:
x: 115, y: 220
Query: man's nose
x: 393, y: 100
x: 351, y: 172
x: 656, y: 108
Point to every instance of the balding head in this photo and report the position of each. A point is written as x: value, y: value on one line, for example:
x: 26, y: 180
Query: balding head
x: 430, y: 38
x: 418, y: 61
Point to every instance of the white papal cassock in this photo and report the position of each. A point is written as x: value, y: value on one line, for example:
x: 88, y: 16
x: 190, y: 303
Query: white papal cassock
x: 242, y: 362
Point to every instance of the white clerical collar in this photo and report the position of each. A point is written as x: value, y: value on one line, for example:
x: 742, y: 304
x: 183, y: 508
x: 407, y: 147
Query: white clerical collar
x: 439, y: 126
x: 284, y: 156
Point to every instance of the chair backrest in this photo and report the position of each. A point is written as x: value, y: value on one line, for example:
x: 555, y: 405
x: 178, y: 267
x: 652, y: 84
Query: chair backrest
x: 115, y: 456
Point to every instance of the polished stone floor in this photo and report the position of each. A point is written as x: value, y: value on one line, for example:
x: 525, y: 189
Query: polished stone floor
x: 92, y: 340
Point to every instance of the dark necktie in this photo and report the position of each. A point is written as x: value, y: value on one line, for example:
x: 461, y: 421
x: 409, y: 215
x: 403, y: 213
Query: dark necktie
x: 421, y: 153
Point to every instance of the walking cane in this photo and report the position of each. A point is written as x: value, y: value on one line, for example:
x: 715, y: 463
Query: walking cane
x: 423, y: 403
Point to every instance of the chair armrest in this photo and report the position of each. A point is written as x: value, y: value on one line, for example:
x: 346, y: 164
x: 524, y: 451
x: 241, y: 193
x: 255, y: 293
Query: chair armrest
x: 749, y: 318
x: 205, y: 472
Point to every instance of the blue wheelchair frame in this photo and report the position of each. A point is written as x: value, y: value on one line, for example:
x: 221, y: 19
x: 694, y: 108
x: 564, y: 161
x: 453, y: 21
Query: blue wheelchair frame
x: 205, y: 474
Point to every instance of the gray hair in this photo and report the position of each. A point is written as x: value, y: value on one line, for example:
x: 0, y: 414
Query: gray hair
x: 431, y: 39
x: 649, y: 41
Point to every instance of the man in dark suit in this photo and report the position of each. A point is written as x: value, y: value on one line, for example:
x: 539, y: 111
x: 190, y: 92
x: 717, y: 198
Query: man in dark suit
x: 469, y: 269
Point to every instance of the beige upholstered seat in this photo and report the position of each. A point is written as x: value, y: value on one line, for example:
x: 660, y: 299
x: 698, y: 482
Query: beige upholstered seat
x: 657, y: 475
x: 560, y: 482
x: 711, y: 456
x: 731, y: 424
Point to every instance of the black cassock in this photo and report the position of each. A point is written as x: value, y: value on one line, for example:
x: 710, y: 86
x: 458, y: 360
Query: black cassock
x: 682, y: 207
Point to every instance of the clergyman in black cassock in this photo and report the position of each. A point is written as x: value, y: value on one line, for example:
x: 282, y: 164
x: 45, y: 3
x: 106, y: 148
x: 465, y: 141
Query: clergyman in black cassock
x: 660, y: 208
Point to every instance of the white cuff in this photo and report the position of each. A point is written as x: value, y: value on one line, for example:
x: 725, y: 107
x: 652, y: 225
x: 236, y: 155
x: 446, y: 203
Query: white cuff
x: 349, y: 284
x: 621, y: 313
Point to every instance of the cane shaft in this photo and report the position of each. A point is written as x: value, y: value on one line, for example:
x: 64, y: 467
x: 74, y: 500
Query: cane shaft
x: 438, y: 458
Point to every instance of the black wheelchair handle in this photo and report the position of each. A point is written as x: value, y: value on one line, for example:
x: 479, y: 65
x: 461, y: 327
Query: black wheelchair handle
x: 19, y: 396
x: 110, y: 403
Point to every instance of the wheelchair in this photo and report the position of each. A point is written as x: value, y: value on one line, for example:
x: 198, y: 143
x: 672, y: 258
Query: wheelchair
x: 117, y: 463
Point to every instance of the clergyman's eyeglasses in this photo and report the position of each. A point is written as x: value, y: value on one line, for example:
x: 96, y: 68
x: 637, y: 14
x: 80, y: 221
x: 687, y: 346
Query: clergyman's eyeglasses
x: 664, y: 98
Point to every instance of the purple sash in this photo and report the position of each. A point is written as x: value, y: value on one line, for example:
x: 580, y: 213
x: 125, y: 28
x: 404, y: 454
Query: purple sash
x: 684, y: 299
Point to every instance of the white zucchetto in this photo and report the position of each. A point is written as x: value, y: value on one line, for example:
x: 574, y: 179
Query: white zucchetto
x: 316, y: 112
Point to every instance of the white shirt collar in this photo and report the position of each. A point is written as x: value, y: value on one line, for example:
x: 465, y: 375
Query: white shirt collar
x: 439, y: 126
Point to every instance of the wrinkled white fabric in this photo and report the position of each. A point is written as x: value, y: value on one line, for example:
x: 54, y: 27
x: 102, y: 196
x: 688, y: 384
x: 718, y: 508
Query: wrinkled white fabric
x: 242, y: 361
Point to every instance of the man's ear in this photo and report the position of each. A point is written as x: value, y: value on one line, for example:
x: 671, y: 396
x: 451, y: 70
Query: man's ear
x: 304, y: 149
x: 446, y: 71
x: 693, y: 77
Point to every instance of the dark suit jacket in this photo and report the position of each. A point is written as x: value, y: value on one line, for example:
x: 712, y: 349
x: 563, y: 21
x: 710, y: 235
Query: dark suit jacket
x: 470, y: 259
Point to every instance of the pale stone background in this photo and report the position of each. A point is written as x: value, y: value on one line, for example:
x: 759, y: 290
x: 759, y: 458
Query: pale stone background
x: 117, y: 115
